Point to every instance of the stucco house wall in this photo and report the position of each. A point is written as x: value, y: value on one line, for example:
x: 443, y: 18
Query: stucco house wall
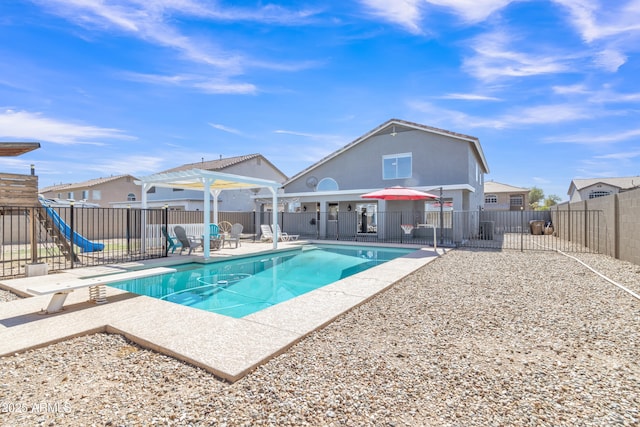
x: 105, y: 192
x: 503, y: 194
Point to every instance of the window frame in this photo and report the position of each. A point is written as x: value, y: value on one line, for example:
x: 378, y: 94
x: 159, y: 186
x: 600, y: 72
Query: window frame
x: 386, y: 171
x: 516, y: 197
x: 493, y: 197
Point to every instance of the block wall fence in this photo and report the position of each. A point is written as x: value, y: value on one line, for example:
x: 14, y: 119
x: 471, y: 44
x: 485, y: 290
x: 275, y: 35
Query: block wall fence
x: 618, y: 231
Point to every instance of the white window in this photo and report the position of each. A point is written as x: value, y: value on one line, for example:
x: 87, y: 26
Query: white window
x: 131, y: 197
x: 327, y: 184
x: 516, y: 200
x: 70, y: 195
x: 598, y: 193
x: 490, y: 199
x: 85, y: 194
x: 97, y: 195
x: 396, y: 166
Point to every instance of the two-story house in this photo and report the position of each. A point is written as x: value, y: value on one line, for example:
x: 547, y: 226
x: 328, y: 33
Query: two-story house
x: 396, y: 153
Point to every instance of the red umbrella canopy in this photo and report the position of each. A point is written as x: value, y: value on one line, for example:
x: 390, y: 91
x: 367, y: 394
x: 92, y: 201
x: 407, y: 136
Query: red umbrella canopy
x: 398, y: 193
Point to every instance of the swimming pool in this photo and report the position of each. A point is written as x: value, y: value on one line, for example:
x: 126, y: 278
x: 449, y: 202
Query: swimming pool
x: 239, y: 287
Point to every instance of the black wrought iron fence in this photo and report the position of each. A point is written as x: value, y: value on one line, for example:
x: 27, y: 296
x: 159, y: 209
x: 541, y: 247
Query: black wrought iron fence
x: 582, y: 231
x: 66, y: 237
x: 69, y: 237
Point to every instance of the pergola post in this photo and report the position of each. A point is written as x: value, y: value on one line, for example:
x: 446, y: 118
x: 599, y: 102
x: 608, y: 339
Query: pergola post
x: 274, y: 216
x: 206, y: 235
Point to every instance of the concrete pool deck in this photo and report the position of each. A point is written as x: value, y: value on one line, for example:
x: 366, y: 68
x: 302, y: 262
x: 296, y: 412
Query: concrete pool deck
x: 225, y: 346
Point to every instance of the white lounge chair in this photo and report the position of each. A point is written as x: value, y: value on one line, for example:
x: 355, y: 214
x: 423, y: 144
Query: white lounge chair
x: 286, y: 236
x: 267, y: 234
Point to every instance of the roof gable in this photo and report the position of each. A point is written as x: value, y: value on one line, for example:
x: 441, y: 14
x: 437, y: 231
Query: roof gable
x: 221, y: 164
x: 498, y: 187
x: 84, y: 184
x: 395, y: 126
x: 623, y: 183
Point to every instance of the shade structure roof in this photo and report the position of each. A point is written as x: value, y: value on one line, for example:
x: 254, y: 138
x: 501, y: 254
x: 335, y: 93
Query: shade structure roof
x: 17, y: 148
x: 209, y: 183
x: 398, y: 193
x: 199, y: 179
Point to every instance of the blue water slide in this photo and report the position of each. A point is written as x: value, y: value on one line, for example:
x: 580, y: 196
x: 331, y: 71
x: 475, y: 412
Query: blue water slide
x: 78, y: 239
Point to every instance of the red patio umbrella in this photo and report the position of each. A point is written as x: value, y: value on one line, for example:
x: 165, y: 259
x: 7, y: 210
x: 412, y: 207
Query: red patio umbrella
x: 398, y: 193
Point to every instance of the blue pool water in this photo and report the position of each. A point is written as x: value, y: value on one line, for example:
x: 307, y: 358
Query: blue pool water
x: 243, y: 286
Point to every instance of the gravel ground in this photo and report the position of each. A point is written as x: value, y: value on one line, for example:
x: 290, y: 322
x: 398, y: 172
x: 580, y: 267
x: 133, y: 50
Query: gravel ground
x: 475, y: 338
x: 6, y: 296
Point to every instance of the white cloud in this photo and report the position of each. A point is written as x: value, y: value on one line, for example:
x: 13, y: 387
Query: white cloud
x: 201, y: 83
x: 625, y: 155
x: 541, y: 180
x: 472, y: 10
x: 547, y: 114
x: 323, y: 144
x: 134, y: 165
x: 543, y: 114
x: 225, y: 128
x: 437, y: 116
x: 409, y: 13
x: 596, y: 20
x: 595, y: 139
x: 469, y: 97
x: 570, y: 90
x: 610, y: 60
x: 494, y: 58
x: 34, y: 126
x: 597, y: 95
x: 153, y: 22
x: 405, y: 13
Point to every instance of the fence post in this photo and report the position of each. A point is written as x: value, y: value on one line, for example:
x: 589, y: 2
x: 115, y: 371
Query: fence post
x: 128, y: 225
x: 586, y: 225
x: 616, y: 226
x: 569, y: 222
x: 72, y: 232
x: 442, y: 219
x: 34, y: 240
x: 523, y: 228
x: 165, y: 224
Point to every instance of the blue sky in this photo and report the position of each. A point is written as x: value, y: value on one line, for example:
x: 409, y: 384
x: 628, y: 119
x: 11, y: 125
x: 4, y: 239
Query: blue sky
x: 109, y: 87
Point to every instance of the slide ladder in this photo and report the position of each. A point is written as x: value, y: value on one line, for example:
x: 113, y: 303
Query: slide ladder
x: 61, y: 233
x: 57, y: 236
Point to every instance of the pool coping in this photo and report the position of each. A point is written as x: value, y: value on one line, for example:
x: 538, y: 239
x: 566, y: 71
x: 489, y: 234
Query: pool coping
x: 227, y: 347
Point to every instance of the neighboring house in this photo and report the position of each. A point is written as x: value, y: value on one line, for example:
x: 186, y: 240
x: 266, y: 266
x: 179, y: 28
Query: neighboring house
x: 585, y: 189
x: 395, y: 153
x: 105, y: 192
x: 504, y: 197
x: 252, y: 165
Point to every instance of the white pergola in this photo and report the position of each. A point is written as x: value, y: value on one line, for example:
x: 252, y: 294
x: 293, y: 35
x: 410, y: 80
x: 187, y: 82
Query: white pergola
x: 211, y: 184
